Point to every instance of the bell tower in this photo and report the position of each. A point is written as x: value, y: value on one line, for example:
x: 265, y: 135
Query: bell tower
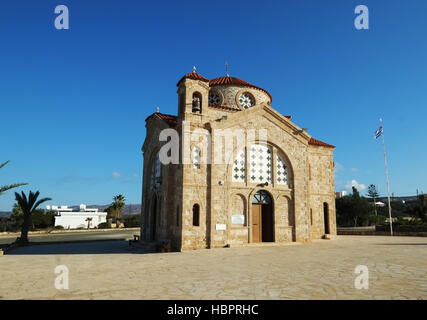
x: 193, y: 93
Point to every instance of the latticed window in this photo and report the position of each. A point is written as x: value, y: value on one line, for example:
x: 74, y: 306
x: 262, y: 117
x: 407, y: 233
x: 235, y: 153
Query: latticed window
x: 246, y: 100
x: 156, y: 175
x: 261, y: 197
x: 260, y: 164
x: 239, y: 167
x: 281, y: 171
x: 214, y: 98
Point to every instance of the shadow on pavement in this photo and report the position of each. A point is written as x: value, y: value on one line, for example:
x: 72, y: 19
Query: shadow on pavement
x: 402, y: 244
x: 94, y: 247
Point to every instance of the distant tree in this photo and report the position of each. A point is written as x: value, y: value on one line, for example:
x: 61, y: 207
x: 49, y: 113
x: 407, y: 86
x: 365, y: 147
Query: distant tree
x: 16, y: 211
x: 17, y: 216
x: 11, y: 186
x: 110, y: 212
x: 373, y: 194
x: 352, y: 210
x: 418, y: 209
x: 41, y: 219
x: 28, y: 206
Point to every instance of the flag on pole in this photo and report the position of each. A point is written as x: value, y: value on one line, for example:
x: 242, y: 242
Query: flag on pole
x: 379, y: 132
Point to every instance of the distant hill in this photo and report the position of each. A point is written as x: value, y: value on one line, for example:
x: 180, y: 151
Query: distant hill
x: 4, y: 214
x: 408, y: 199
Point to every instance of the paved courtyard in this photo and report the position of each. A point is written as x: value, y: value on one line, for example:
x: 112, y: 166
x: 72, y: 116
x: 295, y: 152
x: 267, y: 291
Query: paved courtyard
x: 323, y: 269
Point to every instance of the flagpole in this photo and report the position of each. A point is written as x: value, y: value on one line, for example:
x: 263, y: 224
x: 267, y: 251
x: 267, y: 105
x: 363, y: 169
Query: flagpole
x: 386, y: 176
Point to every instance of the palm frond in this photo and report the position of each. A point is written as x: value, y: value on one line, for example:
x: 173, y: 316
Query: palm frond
x: 22, y: 202
x: 40, y: 202
x: 3, y: 164
x: 32, y: 198
x: 16, y: 185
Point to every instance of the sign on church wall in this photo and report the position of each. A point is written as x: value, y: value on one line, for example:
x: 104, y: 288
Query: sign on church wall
x: 221, y: 227
x: 238, y: 219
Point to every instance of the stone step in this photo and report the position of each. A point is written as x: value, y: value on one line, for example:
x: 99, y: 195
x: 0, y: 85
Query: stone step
x: 329, y: 236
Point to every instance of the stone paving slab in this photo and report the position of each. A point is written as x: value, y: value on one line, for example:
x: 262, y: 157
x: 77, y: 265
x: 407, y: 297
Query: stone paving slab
x: 323, y: 269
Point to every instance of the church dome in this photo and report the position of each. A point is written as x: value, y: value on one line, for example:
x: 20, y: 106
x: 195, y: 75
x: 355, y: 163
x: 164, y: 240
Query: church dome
x: 223, y: 81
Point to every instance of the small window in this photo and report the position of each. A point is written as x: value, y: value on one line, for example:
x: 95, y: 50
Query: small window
x: 196, y: 215
x: 311, y: 216
x: 156, y: 174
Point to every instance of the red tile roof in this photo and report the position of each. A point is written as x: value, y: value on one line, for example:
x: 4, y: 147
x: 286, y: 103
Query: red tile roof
x: 193, y: 76
x: 319, y: 143
x: 235, y: 81
x: 169, y: 119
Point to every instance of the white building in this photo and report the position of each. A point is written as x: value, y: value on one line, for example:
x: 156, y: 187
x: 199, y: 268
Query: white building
x: 70, y: 219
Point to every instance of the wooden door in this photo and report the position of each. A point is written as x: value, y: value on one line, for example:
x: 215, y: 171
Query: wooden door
x: 256, y: 222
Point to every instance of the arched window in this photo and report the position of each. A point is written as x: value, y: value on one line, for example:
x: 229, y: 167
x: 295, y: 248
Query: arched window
x: 239, y: 167
x: 261, y: 197
x: 196, y: 215
x: 156, y: 174
x: 260, y: 160
x: 281, y: 171
x: 260, y: 164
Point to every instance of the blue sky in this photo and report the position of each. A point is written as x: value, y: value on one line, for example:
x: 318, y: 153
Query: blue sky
x: 73, y: 102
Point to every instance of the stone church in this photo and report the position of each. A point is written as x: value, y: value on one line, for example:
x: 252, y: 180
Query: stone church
x: 277, y: 186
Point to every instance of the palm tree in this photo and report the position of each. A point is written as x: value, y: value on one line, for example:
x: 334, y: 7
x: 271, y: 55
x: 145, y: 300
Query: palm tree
x: 28, y: 206
x: 118, y: 205
x: 8, y: 187
x: 88, y: 222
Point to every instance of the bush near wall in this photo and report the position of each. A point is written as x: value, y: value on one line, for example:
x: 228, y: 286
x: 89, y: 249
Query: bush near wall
x: 103, y: 225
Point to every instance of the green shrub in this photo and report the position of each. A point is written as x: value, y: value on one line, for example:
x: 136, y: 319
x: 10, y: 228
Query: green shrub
x: 59, y: 228
x: 103, y: 225
x: 132, y: 221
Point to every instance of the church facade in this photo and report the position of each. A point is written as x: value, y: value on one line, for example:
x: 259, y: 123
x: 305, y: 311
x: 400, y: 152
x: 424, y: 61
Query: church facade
x: 242, y: 173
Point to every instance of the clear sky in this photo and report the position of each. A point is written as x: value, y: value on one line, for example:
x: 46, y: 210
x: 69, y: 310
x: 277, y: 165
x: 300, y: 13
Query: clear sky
x: 73, y: 102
